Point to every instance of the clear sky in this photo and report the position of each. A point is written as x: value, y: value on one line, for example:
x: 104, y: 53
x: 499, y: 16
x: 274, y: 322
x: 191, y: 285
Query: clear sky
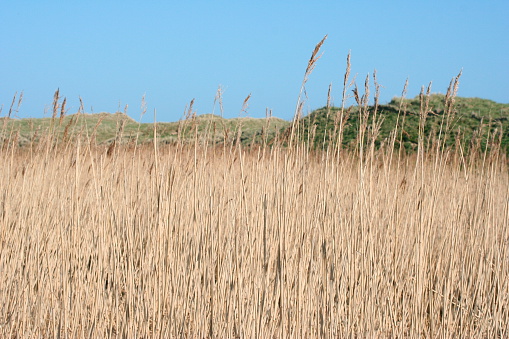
x: 112, y: 53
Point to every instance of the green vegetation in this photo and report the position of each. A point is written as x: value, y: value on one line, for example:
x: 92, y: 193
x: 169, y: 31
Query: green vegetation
x: 469, y: 119
x: 104, y: 128
x: 430, y: 119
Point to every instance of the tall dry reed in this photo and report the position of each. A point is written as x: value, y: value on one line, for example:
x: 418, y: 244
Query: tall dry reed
x: 254, y: 243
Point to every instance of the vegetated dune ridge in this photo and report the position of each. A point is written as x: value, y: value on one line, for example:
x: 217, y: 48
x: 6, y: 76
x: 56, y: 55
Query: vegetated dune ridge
x: 471, y: 117
x: 468, y: 118
x: 105, y: 128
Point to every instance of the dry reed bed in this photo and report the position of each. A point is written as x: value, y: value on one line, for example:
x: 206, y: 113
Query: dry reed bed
x: 197, y: 241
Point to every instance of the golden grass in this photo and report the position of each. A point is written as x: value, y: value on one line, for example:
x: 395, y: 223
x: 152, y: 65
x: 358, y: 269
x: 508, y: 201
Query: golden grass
x: 228, y: 242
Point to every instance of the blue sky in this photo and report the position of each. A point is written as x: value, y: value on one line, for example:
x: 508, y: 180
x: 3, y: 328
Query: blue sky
x: 112, y: 53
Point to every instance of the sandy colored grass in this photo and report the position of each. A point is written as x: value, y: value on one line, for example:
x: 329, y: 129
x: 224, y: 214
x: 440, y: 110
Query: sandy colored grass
x: 194, y: 241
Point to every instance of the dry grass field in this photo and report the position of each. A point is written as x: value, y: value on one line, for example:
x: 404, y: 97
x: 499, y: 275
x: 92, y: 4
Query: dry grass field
x: 197, y: 241
x: 200, y: 240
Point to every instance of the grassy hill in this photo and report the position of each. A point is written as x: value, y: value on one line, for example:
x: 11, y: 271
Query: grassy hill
x: 470, y: 118
x: 104, y: 128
